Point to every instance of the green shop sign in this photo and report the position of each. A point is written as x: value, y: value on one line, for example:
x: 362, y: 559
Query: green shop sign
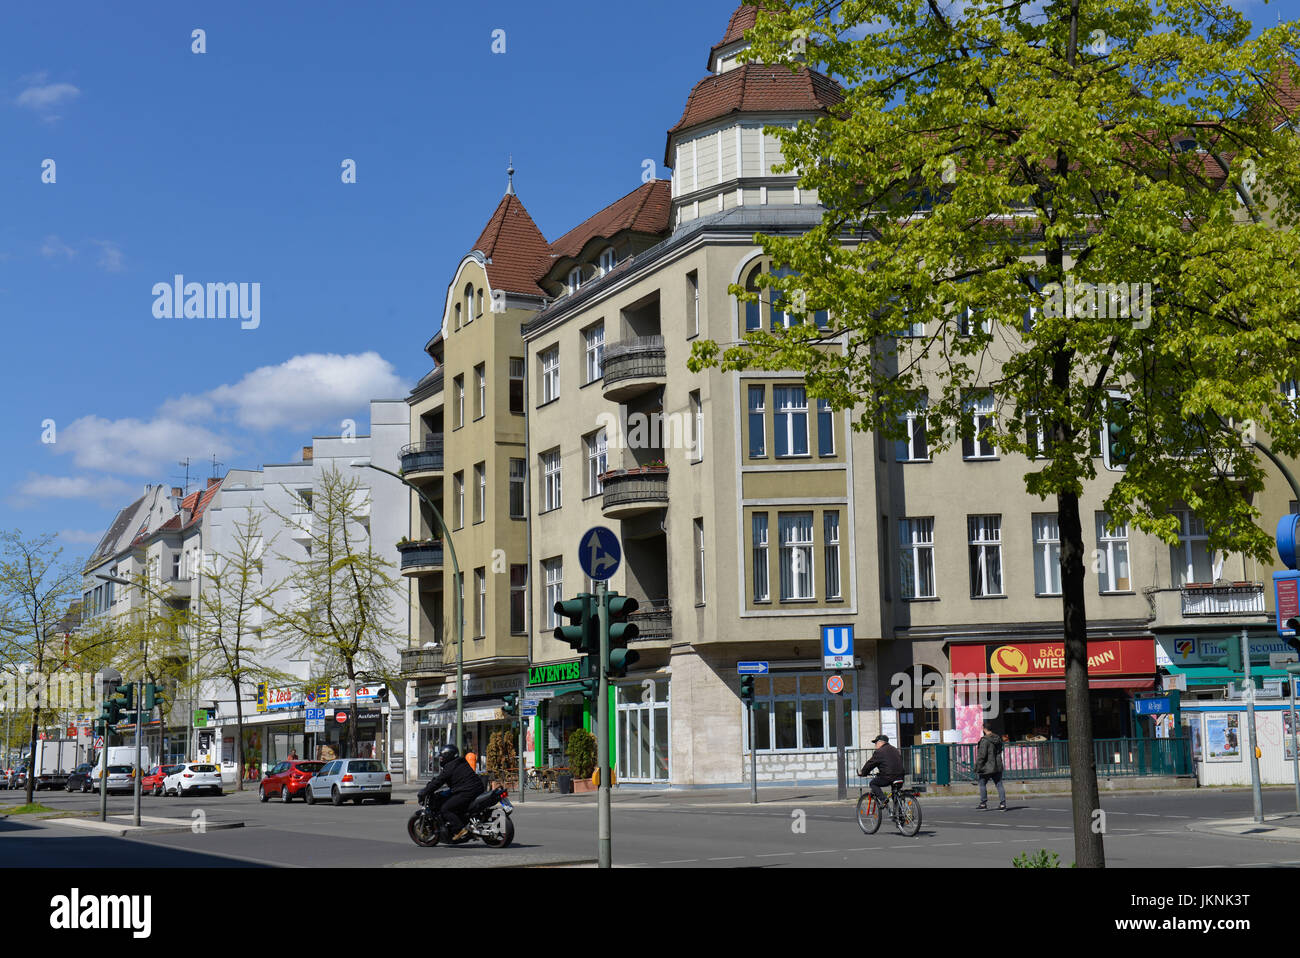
x: 549, y: 674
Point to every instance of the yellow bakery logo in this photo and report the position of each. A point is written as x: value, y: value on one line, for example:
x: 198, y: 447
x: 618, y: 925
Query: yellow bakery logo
x: 1009, y: 660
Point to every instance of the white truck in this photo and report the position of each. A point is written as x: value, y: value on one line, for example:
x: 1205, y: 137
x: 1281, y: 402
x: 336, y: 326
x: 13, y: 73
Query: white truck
x: 55, y: 758
x: 122, y: 755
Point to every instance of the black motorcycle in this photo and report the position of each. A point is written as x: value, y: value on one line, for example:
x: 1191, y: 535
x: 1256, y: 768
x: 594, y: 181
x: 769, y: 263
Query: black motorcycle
x: 488, y: 818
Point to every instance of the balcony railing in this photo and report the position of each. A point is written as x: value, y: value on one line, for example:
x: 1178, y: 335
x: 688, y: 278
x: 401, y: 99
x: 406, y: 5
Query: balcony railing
x: 653, y: 623
x: 420, y: 661
x: 631, y: 491
x: 422, y: 456
x: 1240, y: 598
x: 631, y: 365
x: 420, y: 555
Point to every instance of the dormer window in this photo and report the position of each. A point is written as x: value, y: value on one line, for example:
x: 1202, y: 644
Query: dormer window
x: 575, y: 279
x: 469, y: 302
x: 608, y: 260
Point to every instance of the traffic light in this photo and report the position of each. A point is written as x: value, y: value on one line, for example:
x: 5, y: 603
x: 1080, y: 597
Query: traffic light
x: 747, y: 690
x: 510, y: 703
x: 587, y: 676
x: 582, y: 634
x: 125, y: 697
x: 621, y: 631
x: 154, y: 697
x: 1118, y: 447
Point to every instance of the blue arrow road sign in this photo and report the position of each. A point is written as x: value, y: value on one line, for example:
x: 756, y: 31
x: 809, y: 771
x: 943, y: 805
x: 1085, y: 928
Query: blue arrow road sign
x: 751, y: 668
x: 599, y: 553
x: 837, y: 646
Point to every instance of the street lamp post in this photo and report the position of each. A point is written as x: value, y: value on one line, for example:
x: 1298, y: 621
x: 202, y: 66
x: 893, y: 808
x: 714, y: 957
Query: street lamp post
x: 460, y: 612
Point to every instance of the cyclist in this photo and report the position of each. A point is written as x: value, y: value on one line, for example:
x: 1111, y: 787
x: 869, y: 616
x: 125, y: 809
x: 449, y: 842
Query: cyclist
x: 888, y: 762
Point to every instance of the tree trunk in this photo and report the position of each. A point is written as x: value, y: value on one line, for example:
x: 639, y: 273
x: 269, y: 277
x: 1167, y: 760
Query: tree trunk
x: 31, y: 765
x: 239, y: 733
x: 352, y: 716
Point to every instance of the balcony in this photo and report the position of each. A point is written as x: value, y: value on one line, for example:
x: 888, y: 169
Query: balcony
x: 633, y: 366
x: 631, y: 492
x: 302, y: 526
x: 418, y: 662
x: 422, y: 460
x: 655, y: 623
x: 178, y: 589
x: 1215, y: 605
x: 421, y: 558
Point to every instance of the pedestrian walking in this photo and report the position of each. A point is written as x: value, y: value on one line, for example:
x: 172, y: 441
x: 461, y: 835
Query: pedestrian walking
x: 988, y: 765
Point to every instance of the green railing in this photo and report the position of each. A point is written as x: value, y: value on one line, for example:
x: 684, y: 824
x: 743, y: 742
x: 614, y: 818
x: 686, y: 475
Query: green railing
x: 1028, y: 761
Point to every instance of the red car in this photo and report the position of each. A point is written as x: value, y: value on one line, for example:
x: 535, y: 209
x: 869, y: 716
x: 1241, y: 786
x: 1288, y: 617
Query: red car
x: 288, y: 779
x: 152, y: 783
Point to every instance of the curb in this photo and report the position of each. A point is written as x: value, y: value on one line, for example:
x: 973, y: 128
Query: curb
x: 127, y: 831
x: 1257, y: 832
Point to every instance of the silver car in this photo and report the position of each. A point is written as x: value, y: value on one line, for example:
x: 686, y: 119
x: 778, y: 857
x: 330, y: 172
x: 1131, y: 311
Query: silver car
x: 121, y: 778
x: 354, y: 778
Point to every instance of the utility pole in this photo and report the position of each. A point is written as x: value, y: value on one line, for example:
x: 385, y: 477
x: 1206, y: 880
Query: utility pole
x: 1293, y: 675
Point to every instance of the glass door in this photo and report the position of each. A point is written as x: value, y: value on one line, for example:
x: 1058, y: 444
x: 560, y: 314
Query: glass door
x: 642, y: 732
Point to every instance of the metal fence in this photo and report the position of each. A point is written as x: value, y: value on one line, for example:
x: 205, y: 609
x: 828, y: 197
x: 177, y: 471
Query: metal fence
x: 1028, y: 761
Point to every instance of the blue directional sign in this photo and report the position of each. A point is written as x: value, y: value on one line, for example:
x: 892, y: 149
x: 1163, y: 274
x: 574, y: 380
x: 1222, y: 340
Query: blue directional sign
x: 599, y: 553
x: 751, y: 668
x: 1153, y: 706
x: 837, y: 646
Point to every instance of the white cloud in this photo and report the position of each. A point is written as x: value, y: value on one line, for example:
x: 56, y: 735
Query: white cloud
x: 134, y: 446
x: 96, y: 488
x: 43, y: 97
x: 53, y: 247
x: 80, y: 537
x: 110, y: 256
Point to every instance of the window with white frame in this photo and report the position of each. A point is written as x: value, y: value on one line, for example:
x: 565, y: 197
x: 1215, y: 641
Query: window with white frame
x: 782, y: 318
x: 693, y: 301
x: 757, y: 422
x: 480, y: 491
x: 516, y: 385
x: 1030, y: 318
x: 518, y: 478
x: 796, y: 531
x: 831, y: 546
x: 459, y: 385
x: 825, y: 428
x: 1036, y: 435
x: 970, y: 320
x: 480, y: 606
x: 985, y: 539
x: 608, y: 260
x: 594, y: 344
x: 794, y: 712
x: 1047, y: 554
x: 791, y: 404
x: 458, y: 480
x: 550, y: 374
x: 518, y: 598
x: 758, y: 537
x: 553, y: 575
x: 575, y: 279
x: 479, y: 312
x: 551, y: 480
x: 699, y: 560
x: 480, y: 381
x: 1191, y: 560
x: 1112, y: 556
x: 458, y: 319
x: 916, y: 558
x: 912, y: 328
x: 469, y: 302
x: 979, y: 413
x: 697, y: 424
x: 914, y: 447
x: 597, y: 461
x: 754, y: 309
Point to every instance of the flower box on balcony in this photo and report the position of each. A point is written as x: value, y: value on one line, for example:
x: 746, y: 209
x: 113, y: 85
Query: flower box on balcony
x: 634, y: 471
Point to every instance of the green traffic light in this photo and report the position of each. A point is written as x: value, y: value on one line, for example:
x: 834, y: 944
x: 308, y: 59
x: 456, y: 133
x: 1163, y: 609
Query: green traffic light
x: 582, y: 632
x: 747, y: 688
x: 621, y: 632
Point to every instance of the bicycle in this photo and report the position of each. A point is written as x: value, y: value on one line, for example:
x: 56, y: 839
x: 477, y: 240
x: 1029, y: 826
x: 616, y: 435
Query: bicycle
x: 904, y: 809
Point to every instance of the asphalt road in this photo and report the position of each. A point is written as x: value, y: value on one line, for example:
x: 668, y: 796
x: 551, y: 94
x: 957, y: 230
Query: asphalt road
x: 659, y: 829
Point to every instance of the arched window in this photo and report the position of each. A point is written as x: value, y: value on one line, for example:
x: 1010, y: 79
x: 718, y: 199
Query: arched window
x: 753, y: 310
x: 773, y: 305
x: 469, y: 302
x: 608, y: 260
x: 575, y: 279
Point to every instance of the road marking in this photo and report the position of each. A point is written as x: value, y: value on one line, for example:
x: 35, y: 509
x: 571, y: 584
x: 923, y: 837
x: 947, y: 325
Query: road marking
x: 946, y: 844
x: 986, y: 843
x: 727, y: 858
x: 824, y: 851
x: 679, y: 861
x: 775, y: 854
x: 1146, y: 814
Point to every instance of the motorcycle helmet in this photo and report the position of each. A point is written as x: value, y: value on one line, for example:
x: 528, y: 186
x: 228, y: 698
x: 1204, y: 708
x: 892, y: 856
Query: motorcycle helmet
x: 446, y: 754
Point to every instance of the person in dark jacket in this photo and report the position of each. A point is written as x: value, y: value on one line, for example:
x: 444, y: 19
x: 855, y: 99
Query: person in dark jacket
x: 888, y: 763
x: 465, y: 787
x: 988, y: 765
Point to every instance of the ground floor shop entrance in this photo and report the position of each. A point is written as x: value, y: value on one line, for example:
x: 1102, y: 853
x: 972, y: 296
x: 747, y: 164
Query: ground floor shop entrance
x: 642, y: 732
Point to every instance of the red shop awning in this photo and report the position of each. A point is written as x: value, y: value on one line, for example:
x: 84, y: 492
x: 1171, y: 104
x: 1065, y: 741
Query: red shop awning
x: 1008, y: 686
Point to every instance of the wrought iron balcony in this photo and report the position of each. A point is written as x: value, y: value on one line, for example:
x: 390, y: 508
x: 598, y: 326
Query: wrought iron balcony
x: 655, y: 623
x: 1240, y: 598
x: 630, y: 492
x: 422, y: 458
x: 421, y: 661
x: 421, y: 558
x: 633, y: 366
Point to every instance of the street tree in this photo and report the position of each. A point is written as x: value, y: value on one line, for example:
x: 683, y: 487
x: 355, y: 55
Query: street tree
x: 1042, y: 222
x: 342, y: 612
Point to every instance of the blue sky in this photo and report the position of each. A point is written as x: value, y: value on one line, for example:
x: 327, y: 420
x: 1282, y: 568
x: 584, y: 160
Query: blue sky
x: 225, y: 167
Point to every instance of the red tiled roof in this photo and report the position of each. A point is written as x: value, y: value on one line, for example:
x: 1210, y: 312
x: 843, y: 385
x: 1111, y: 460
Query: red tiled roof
x: 645, y: 210
x: 196, y: 502
x: 515, y: 248
x: 756, y: 88
x: 745, y: 17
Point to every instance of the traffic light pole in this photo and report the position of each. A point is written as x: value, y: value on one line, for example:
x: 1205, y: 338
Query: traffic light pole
x: 1248, y: 688
x: 138, y: 776
x: 753, y: 757
x: 103, y: 777
x: 1295, y: 755
x: 602, y: 736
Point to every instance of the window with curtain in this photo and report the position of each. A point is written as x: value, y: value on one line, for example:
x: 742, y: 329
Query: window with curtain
x: 831, y: 544
x: 758, y: 536
x: 597, y: 461
x: 985, y: 539
x: 796, y: 531
x: 1112, y: 556
x: 594, y: 339
x: 916, y: 558
x: 1191, y: 560
x: 1047, y: 555
x: 791, y: 404
x: 914, y: 447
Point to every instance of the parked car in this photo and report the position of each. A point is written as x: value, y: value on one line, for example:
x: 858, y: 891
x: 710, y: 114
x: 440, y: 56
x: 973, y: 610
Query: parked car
x: 288, y: 779
x: 121, y: 778
x: 354, y: 778
x: 191, y: 777
x: 79, y: 778
x: 18, y: 778
x: 153, y: 780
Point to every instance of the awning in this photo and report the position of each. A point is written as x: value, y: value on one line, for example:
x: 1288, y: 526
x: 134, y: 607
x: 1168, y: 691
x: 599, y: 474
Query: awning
x: 1012, y: 686
x: 1212, y: 676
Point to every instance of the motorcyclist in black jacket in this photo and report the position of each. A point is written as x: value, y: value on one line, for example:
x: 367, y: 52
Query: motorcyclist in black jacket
x: 888, y: 762
x: 465, y: 787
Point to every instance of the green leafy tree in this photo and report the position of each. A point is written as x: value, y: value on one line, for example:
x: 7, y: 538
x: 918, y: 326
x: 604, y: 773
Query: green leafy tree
x: 990, y: 153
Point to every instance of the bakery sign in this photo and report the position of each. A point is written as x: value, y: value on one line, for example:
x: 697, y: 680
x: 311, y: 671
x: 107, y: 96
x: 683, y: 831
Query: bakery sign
x: 1029, y: 659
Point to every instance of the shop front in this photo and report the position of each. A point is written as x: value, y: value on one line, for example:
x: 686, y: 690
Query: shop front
x: 1199, y: 660
x: 434, y: 719
x: 1022, y: 685
x: 561, y: 709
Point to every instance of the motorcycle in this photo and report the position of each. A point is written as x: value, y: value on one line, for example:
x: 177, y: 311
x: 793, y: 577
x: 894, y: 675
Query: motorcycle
x: 488, y: 818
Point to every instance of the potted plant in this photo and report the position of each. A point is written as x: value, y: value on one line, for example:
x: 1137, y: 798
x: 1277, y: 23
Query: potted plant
x: 581, y: 752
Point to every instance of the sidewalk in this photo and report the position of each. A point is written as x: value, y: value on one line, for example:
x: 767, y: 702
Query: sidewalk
x: 1276, y: 828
